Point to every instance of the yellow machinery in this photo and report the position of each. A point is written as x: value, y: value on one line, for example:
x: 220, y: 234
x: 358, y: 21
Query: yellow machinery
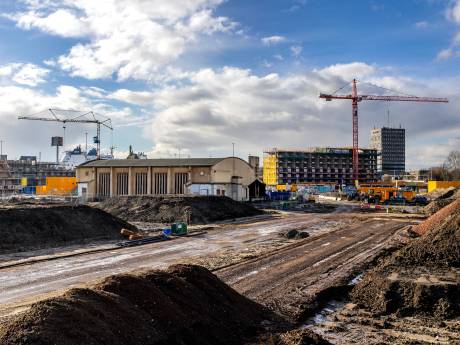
x: 385, y: 193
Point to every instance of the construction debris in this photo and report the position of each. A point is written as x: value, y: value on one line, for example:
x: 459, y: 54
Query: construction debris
x: 170, y: 209
x: 182, y: 305
x: 38, y: 226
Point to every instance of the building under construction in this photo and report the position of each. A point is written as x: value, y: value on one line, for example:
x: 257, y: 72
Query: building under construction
x: 317, y: 165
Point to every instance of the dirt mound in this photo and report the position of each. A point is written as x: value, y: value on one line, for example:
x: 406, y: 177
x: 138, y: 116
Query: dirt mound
x: 183, y: 305
x: 440, y: 199
x: 28, y: 228
x: 422, y: 277
x: 168, y: 209
x: 434, y: 220
x: 441, y: 193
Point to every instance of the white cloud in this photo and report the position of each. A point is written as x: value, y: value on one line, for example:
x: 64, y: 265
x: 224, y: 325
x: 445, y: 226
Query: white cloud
x: 133, y: 97
x: 453, y: 11
x: 445, y: 54
x: 218, y: 107
x: 271, y: 40
x: 61, y: 22
x: 296, y: 50
x: 123, y: 38
x: 24, y: 73
x: 348, y: 71
x: 421, y: 24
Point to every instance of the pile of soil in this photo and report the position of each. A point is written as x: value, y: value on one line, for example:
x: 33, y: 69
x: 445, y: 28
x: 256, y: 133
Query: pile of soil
x: 433, y: 221
x: 168, y: 209
x: 440, y: 199
x: 422, y: 277
x: 183, y: 305
x: 27, y: 228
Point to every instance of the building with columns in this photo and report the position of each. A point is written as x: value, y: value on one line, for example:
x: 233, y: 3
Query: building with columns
x: 101, y: 179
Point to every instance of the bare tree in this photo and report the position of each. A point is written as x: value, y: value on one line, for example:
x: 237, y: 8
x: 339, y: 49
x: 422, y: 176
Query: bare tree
x: 453, y: 160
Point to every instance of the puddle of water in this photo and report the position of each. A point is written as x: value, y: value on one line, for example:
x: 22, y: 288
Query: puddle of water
x: 331, y: 307
x: 356, y: 279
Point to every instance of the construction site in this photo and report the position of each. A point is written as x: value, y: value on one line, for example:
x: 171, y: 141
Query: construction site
x: 315, y: 247
x: 311, y: 245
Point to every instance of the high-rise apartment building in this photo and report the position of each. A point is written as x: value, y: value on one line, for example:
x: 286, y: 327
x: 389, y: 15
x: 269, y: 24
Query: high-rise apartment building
x: 390, y: 144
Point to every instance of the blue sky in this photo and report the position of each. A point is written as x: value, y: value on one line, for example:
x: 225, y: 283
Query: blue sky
x: 197, y: 75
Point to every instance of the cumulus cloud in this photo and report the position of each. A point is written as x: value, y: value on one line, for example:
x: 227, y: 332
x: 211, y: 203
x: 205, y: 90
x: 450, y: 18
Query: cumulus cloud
x: 23, y: 73
x: 123, y: 38
x: 219, y: 106
x: 271, y: 40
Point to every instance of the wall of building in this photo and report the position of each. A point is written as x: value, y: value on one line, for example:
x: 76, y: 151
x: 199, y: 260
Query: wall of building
x: 270, y: 170
x: 432, y: 185
x: 57, y: 185
x: 223, y: 171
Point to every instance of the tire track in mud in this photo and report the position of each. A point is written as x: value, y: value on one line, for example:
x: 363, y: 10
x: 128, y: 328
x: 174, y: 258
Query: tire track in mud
x: 287, y: 280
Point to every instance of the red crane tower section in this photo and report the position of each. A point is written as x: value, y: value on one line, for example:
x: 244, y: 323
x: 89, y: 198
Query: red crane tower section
x: 356, y: 98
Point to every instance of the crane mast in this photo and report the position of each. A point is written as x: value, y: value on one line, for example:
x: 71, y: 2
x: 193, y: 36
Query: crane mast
x: 356, y: 98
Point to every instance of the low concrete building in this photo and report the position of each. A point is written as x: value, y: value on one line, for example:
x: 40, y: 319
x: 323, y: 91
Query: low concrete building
x: 200, y: 176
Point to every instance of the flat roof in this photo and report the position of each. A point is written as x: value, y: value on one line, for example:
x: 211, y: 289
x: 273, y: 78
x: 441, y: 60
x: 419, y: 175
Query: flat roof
x: 160, y: 162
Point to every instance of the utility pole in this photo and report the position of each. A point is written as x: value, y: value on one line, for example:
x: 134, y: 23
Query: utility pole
x: 86, y: 145
x: 1, y: 149
x: 233, y: 149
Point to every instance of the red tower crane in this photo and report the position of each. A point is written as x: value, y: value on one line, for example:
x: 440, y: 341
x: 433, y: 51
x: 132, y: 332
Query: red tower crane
x: 355, y: 99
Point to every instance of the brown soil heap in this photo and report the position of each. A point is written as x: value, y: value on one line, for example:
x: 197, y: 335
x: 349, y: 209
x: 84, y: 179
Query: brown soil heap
x: 168, y: 209
x: 440, y: 198
x: 422, y: 277
x: 434, y: 220
x: 27, y: 228
x: 182, y: 305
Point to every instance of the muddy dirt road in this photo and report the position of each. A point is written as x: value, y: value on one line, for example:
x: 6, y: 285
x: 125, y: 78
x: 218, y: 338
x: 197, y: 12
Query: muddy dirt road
x: 19, y: 286
x: 289, y: 279
x: 338, y: 245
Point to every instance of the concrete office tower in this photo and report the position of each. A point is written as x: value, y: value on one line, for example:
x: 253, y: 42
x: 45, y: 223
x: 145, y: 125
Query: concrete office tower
x: 390, y: 144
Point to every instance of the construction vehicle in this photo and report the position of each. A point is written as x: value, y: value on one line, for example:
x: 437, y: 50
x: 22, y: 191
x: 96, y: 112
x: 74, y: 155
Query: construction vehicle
x: 385, y: 195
